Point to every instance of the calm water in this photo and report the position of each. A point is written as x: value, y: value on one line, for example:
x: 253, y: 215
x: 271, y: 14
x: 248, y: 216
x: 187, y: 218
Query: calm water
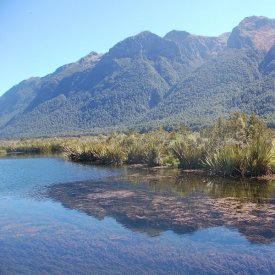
x: 57, y: 217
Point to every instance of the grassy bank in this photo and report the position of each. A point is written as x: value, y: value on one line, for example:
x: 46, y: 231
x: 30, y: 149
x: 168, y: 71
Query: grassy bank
x: 239, y: 146
x: 32, y: 146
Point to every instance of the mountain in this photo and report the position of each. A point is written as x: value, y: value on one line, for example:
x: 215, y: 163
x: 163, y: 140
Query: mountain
x: 147, y: 80
x: 257, y: 32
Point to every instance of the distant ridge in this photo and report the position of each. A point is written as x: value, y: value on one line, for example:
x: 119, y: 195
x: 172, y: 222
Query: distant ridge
x: 146, y: 80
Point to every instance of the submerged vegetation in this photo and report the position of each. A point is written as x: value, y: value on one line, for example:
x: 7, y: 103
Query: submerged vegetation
x: 239, y: 146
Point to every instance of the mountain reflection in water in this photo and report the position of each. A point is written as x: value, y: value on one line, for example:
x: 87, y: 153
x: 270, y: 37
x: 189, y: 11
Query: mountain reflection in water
x: 157, y: 201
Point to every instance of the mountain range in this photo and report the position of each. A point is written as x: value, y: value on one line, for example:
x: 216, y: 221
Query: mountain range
x: 146, y: 81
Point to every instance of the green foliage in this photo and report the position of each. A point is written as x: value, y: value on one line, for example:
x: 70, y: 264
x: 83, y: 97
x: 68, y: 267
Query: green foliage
x: 259, y: 156
x: 239, y: 146
x: 96, y: 152
x: 136, y: 154
x: 113, y: 156
x: 142, y: 85
x: 154, y: 155
x: 188, y: 153
x: 85, y: 152
x: 53, y: 146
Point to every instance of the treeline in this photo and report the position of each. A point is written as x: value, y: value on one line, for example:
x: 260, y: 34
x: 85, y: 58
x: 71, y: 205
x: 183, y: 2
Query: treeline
x: 239, y: 146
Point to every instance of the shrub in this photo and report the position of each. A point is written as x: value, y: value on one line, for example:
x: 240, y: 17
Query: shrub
x: 113, y: 155
x: 254, y: 159
x: 188, y: 153
x: 259, y: 157
x: 136, y: 154
x: 154, y: 155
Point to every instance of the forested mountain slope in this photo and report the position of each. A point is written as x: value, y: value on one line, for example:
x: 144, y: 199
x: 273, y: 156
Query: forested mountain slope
x: 146, y: 80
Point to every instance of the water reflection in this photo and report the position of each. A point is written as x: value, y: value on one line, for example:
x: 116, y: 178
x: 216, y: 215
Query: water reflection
x: 21, y: 177
x: 157, y: 201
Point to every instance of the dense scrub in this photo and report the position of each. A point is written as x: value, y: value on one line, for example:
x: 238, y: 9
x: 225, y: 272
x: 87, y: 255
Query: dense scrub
x: 239, y: 146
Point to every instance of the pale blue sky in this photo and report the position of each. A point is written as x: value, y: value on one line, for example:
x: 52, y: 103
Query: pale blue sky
x: 37, y: 36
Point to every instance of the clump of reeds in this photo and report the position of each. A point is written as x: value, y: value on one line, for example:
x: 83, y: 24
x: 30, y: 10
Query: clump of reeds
x: 188, y: 153
x: 95, y: 152
x: 149, y: 149
x: 137, y: 153
x: 239, y: 147
x: 233, y: 147
x: 34, y: 146
x: 259, y: 156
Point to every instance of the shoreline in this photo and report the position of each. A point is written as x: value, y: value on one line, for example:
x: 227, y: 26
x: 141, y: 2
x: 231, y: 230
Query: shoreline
x: 147, y: 168
x: 200, y: 172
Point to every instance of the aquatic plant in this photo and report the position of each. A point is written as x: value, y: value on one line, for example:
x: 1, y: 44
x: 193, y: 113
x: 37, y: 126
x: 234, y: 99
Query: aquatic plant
x: 188, y: 153
x: 95, y: 152
x: 259, y: 156
x: 252, y: 159
x: 155, y: 155
x: 233, y: 147
x: 136, y: 153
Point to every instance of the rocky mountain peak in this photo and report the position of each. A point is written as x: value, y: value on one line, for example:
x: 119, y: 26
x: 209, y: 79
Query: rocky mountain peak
x: 90, y: 58
x: 175, y: 35
x: 254, y: 31
x: 148, y: 80
x: 144, y: 43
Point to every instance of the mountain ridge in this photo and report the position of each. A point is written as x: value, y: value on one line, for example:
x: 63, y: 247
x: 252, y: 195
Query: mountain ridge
x: 150, y: 80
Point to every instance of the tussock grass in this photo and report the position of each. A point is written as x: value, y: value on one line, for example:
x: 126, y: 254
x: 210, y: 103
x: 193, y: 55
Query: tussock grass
x: 189, y: 153
x: 239, y: 146
x: 36, y: 146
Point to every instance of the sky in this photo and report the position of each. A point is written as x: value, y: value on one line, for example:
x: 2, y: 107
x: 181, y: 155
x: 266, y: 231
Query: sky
x: 38, y: 36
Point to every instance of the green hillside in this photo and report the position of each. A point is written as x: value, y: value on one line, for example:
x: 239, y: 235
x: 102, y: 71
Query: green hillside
x: 147, y: 80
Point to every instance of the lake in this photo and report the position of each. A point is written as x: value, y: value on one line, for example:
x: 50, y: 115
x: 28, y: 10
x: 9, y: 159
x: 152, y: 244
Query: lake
x: 58, y: 217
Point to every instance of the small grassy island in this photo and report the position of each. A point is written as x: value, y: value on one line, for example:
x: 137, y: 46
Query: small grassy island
x: 239, y: 146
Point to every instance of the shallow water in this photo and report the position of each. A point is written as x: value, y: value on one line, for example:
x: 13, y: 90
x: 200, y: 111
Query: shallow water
x: 57, y: 217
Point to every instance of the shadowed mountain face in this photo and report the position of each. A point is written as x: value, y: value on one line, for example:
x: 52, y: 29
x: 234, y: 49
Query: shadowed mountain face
x: 157, y: 202
x: 147, y: 80
x: 268, y: 64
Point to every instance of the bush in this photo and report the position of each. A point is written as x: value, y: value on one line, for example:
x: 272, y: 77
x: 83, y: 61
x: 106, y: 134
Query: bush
x: 113, y: 155
x: 236, y: 156
x: 154, y: 155
x: 233, y: 147
x: 260, y: 156
x: 188, y: 153
x: 136, y: 154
